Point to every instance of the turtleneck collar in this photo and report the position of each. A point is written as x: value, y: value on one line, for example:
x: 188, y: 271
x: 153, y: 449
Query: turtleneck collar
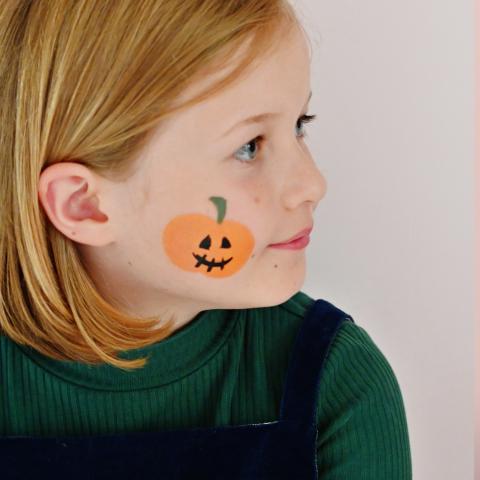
x: 186, y: 350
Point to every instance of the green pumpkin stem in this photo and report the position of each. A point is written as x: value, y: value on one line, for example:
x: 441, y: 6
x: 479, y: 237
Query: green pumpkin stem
x: 221, y: 205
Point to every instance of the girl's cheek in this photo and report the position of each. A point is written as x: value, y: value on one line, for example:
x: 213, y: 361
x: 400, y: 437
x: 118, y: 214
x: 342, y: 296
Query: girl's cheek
x: 215, y: 247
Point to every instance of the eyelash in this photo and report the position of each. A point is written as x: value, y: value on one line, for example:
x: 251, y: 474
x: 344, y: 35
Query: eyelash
x: 304, y: 119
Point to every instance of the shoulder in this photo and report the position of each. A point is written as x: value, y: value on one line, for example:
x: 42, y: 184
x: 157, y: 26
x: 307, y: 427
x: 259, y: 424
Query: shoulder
x: 355, y: 357
x: 360, y: 410
x: 351, y: 345
x: 359, y: 393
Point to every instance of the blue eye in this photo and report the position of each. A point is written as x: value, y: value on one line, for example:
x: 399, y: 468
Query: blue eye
x: 304, y: 119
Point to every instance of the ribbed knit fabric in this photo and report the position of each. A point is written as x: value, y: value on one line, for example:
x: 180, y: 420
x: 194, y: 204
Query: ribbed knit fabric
x: 225, y: 367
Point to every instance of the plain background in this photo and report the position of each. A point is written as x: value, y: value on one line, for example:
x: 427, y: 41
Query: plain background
x: 393, y: 242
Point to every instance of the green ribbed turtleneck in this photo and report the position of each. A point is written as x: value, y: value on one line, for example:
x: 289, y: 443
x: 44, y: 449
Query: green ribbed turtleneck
x: 225, y: 367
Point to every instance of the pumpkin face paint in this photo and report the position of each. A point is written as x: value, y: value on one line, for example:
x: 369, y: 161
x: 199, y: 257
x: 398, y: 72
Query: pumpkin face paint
x: 213, y: 247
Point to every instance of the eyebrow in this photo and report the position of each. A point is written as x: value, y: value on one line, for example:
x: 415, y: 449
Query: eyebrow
x: 261, y: 117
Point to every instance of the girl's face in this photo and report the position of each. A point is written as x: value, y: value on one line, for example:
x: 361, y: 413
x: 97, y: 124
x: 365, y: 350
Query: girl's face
x: 191, y: 229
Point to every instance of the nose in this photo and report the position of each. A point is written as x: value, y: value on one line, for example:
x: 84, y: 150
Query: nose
x: 305, y: 182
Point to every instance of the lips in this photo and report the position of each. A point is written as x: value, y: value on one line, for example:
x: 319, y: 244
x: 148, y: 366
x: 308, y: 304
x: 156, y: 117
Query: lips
x: 301, y: 233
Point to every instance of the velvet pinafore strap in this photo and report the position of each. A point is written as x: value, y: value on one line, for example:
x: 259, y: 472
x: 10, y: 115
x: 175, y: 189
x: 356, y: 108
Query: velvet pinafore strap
x: 319, y: 328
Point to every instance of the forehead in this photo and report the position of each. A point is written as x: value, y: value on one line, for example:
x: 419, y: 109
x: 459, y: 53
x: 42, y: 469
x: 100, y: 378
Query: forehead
x: 284, y: 73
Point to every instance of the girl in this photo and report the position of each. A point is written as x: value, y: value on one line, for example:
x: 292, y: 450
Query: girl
x: 153, y: 175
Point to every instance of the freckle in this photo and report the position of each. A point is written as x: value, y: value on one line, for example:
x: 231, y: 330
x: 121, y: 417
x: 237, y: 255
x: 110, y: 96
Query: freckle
x: 130, y: 263
x: 276, y: 266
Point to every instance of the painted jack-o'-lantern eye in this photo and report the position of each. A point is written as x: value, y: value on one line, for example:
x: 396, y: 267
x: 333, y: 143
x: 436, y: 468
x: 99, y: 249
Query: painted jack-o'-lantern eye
x: 228, y: 243
x: 207, y: 241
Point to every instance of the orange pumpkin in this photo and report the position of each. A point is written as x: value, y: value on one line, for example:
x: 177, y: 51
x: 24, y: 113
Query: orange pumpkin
x: 215, y: 248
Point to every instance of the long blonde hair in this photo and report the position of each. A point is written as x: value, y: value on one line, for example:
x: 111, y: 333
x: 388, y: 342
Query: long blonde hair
x: 88, y: 81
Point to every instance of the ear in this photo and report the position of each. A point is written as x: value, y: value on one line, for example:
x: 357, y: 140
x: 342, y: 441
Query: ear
x: 71, y: 195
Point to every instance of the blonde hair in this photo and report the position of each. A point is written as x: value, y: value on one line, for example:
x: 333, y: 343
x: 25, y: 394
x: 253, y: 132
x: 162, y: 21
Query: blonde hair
x: 88, y: 81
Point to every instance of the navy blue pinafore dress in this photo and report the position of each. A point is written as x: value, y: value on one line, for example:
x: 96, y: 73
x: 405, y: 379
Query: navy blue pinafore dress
x: 282, y: 449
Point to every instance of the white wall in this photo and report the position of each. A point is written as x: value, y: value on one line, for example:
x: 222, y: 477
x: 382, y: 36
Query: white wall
x: 393, y: 244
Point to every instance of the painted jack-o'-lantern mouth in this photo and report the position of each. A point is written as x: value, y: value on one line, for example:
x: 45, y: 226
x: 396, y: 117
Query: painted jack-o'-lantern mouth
x: 181, y: 241
x: 210, y: 264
